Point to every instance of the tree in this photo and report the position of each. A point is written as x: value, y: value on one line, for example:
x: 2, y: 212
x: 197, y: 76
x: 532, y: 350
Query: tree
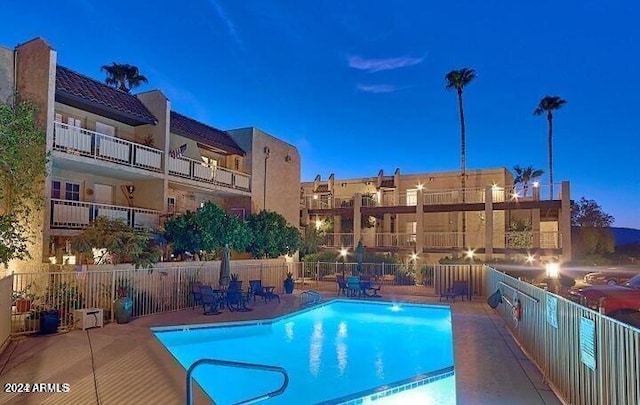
x: 123, y: 76
x: 207, y: 229
x: 458, y: 80
x: 526, y: 175
x: 118, y: 242
x: 549, y: 104
x: 592, y: 236
x: 271, y: 235
x: 23, y: 163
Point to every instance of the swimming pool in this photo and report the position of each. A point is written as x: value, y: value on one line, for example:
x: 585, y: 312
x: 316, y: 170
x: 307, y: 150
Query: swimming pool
x: 338, y: 352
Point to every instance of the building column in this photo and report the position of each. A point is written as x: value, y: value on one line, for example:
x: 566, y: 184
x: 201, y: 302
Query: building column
x: 419, y: 222
x: 488, y: 223
x: 357, y: 218
x: 565, y: 222
x: 535, y: 227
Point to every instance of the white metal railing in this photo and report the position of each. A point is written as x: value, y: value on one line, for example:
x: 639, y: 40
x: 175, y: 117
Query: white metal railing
x: 161, y: 290
x: 200, y: 171
x: 79, y: 141
x: 6, y: 304
x: 388, y: 239
x: 68, y: 214
x: 551, y: 329
x: 337, y: 239
x: 531, y: 239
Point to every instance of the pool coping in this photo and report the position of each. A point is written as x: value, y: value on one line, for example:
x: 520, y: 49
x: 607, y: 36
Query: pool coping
x: 269, y: 321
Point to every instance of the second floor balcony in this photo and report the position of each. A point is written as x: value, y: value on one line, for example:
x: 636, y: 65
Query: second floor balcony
x: 67, y: 214
x: 83, y: 142
x: 202, y: 172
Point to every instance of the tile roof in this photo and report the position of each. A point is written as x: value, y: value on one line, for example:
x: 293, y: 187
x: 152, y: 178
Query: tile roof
x: 84, y: 92
x: 203, y: 133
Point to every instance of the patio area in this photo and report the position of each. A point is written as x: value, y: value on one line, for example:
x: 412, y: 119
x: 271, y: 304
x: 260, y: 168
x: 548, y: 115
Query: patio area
x: 132, y: 367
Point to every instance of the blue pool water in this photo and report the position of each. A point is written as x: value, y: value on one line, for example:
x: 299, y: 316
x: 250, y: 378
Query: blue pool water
x: 336, y: 352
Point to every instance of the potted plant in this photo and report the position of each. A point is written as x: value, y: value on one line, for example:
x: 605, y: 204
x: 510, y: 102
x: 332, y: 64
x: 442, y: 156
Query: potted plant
x: 22, y: 299
x: 288, y: 283
x: 123, y: 305
x: 235, y: 283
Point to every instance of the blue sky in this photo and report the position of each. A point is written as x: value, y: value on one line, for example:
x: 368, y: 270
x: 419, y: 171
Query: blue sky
x: 358, y: 86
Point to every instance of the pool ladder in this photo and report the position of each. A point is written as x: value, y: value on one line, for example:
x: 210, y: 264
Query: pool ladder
x: 226, y: 363
x: 309, y: 297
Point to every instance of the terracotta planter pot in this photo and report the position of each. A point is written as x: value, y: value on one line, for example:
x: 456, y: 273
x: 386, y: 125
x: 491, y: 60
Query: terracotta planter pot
x: 23, y: 305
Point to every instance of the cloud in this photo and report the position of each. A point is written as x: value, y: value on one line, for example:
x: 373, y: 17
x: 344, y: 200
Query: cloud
x: 377, y: 88
x: 378, y: 65
x: 231, y: 28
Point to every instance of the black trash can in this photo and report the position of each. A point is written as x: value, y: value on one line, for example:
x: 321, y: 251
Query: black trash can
x: 49, y: 322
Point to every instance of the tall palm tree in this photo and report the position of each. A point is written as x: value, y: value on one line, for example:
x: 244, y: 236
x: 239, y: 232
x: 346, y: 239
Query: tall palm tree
x: 549, y: 104
x: 123, y: 76
x: 458, y: 79
x: 524, y: 175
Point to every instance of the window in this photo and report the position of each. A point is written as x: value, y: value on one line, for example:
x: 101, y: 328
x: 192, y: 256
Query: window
x: 411, y: 228
x: 209, y: 161
x: 73, y: 122
x: 105, y: 129
x: 72, y: 191
x: 236, y: 164
x: 56, y: 188
x: 171, y: 205
x: 58, y: 117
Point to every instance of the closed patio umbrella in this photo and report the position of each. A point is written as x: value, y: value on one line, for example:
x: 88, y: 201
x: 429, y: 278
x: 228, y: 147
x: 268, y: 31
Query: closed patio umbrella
x: 225, y: 267
x: 359, y: 257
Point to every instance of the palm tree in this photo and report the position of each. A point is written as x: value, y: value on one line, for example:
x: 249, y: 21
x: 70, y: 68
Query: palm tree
x: 548, y: 104
x: 458, y: 79
x: 123, y: 76
x: 524, y: 175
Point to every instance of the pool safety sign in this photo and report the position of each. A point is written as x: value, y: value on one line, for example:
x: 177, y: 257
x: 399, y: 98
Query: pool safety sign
x: 588, y: 342
x: 552, y: 310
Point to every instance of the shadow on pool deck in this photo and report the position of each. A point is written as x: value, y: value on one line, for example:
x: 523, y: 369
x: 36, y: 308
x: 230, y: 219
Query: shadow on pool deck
x: 132, y: 367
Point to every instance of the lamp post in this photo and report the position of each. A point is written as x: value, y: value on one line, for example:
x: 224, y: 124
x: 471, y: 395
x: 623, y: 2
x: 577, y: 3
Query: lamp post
x: 552, y: 270
x: 343, y: 254
x: 267, y: 153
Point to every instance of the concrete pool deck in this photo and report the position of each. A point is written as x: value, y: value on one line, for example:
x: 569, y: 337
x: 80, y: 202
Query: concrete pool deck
x: 132, y: 367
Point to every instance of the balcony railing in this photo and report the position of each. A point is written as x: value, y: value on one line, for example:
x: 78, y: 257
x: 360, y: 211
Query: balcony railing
x: 337, y: 240
x: 82, y: 142
x: 200, y: 171
x: 66, y: 214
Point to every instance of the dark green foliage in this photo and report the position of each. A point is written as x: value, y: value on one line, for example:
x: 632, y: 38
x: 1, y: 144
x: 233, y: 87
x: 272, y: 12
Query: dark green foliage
x: 591, y: 235
x: 208, y: 230
x: 122, y: 243
x: 23, y: 161
x: 271, y: 236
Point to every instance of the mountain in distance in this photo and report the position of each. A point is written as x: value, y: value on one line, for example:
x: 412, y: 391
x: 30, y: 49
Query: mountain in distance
x: 626, y: 236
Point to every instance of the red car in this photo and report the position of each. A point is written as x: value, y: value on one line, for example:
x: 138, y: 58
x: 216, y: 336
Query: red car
x: 611, y: 277
x: 621, y: 302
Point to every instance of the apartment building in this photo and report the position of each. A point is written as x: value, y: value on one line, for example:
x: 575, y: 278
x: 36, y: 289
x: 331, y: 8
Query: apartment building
x: 132, y: 157
x: 428, y: 214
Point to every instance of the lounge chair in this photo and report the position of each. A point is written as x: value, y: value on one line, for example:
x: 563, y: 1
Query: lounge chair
x: 210, y: 298
x: 195, y: 293
x: 256, y: 288
x: 459, y: 288
x: 342, y: 285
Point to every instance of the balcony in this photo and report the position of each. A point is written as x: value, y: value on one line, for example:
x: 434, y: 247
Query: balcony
x: 94, y: 145
x: 531, y: 240
x: 67, y: 214
x: 202, y: 172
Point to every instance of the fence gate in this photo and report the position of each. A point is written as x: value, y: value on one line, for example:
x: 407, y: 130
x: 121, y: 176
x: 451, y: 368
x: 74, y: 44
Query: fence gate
x: 446, y: 274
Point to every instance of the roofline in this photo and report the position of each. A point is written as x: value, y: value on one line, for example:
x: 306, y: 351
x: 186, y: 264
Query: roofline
x: 99, y: 106
x: 33, y: 40
x: 404, y: 175
x: 252, y: 128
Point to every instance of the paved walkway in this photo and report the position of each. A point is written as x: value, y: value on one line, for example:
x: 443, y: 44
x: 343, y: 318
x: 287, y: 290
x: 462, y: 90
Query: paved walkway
x: 131, y: 367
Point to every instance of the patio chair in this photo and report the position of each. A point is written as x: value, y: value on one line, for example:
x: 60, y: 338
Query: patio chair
x: 459, y: 288
x: 195, y: 293
x: 372, y: 288
x: 236, y: 299
x: 210, y: 298
x: 353, y: 285
x: 342, y: 285
x: 266, y: 292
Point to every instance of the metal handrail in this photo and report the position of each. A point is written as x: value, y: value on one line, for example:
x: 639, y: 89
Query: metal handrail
x: 314, y: 297
x: 226, y: 363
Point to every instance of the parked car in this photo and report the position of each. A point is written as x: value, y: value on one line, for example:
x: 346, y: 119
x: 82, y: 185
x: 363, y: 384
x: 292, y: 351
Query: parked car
x: 621, y: 302
x: 611, y: 277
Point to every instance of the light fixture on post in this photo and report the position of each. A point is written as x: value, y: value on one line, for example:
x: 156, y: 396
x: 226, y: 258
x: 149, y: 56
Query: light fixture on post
x: 552, y: 271
x: 343, y: 254
x: 470, y: 253
x: 267, y: 153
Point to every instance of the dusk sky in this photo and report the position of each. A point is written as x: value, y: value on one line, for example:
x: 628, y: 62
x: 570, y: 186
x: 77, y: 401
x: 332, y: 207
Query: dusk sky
x: 358, y: 86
